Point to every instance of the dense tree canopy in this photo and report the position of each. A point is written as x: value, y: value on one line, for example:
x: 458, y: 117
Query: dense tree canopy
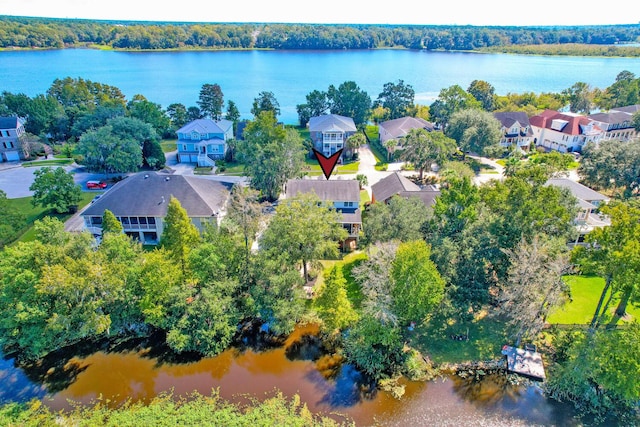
x: 55, y: 188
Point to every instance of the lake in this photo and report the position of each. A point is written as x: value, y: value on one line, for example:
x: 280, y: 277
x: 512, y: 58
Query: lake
x: 168, y: 77
x: 325, y: 384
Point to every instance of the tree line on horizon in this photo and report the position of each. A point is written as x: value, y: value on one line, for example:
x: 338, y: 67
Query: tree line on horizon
x: 29, y: 32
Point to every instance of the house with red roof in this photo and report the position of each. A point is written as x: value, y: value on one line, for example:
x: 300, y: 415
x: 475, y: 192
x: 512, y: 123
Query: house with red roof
x: 564, y: 132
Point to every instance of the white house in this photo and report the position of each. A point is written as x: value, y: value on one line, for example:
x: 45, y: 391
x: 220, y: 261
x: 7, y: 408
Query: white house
x: 203, y: 141
x: 617, y: 123
x: 516, y: 129
x: 564, y: 132
x: 11, y: 135
x: 330, y: 132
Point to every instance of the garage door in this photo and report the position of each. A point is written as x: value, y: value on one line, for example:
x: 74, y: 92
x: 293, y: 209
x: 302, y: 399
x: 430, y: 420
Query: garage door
x: 194, y: 158
x: 12, y: 156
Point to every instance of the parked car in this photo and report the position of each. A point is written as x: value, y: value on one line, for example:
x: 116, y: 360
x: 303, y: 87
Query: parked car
x: 96, y: 185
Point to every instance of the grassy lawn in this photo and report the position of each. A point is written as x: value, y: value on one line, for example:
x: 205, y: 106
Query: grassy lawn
x: 364, y: 198
x: 168, y: 145
x: 233, y: 168
x: 35, y: 213
x: 53, y: 162
x: 312, y: 168
x: 585, y: 293
x: 486, y: 338
x: 346, y: 264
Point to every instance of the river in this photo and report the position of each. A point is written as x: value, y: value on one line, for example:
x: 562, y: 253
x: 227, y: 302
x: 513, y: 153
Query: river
x: 168, y: 77
x: 297, y: 366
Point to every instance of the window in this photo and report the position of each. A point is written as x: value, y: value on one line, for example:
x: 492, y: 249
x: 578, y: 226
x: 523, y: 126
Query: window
x: 195, y: 136
x: 143, y: 220
x: 96, y: 220
x: 348, y: 204
x: 134, y: 220
x: 124, y: 220
x: 151, y: 220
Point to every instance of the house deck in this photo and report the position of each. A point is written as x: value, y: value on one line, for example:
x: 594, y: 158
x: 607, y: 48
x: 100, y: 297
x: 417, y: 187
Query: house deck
x: 524, y: 362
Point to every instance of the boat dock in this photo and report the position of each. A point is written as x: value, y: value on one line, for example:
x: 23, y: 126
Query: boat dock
x: 527, y: 362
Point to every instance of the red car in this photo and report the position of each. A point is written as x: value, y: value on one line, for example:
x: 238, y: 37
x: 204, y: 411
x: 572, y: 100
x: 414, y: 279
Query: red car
x: 96, y: 185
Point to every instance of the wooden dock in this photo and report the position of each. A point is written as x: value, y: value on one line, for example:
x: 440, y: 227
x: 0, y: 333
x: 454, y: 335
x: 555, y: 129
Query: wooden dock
x: 524, y: 362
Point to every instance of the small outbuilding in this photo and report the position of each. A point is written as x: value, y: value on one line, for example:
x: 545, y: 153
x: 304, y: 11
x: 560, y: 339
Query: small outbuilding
x: 524, y: 361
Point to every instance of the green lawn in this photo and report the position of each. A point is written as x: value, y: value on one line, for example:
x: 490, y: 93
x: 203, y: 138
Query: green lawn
x: 312, y: 168
x: 53, y: 162
x: 23, y: 204
x: 168, y: 145
x: 364, y: 198
x: 585, y: 293
x: 486, y: 338
x: 346, y: 264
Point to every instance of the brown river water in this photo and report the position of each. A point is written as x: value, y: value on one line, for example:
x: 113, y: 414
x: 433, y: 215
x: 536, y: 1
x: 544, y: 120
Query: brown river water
x: 296, y: 366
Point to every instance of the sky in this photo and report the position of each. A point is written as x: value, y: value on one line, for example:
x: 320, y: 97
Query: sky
x: 414, y: 12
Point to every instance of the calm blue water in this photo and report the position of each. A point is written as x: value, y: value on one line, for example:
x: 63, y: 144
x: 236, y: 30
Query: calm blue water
x: 167, y: 77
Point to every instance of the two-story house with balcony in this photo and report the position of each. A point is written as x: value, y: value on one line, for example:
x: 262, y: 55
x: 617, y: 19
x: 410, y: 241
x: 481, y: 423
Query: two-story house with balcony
x: 11, y: 136
x: 617, y: 123
x: 330, y: 132
x: 564, y: 132
x: 140, y: 203
x: 203, y: 141
x: 341, y: 195
x: 516, y: 129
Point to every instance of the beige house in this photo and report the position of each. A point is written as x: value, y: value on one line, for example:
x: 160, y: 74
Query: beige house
x: 516, y: 129
x: 617, y: 123
x: 564, y: 132
x: 399, y: 128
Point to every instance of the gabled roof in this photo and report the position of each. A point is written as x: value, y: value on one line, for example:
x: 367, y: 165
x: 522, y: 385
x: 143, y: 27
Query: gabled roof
x: 391, y: 185
x: 399, y: 128
x: 581, y: 192
x: 206, y: 126
x: 575, y: 124
x: 428, y: 197
x: 7, y: 123
x: 628, y: 109
x: 148, y: 194
x: 331, y: 122
x: 334, y: 190
x: 612, y: 117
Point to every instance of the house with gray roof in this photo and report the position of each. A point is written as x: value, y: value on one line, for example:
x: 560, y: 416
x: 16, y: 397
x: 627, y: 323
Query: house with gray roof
x: 140, y: 203
x: 588, y: 201
x: 12, y: 134
x: 329, y: 132
x: 617, y: 123
x: 341, y: 195
x: 204, y: 141
x: 515, y: 128
x: 397, y: 184
x: 399, y: 128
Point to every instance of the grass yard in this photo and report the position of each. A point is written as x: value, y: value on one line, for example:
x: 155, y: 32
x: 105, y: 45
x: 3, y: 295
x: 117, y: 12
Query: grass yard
x: 23, y: 204
x: 585, y: 293
x: 168, y: 145
x: 53, y: 162
x: 312, y: 168
x: 364, y: 198
x: 346, y: 264
x: 486, y: 338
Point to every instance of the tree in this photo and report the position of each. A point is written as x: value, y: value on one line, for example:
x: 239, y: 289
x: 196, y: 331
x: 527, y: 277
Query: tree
x: 265, y: 102
x: 271, y: 155
x: 211, y: 100
x: 332, y: 304
x: 636, y: 121
x: 624, y: 91
x: 362, y: 179
x: 350, y: 101
x: 55, y: 188
x: 449, y: 101
x: 399, y: 219
x: 148, y: 112
x: 533, y: 286
x: 397, y: 98
x: 11, y: 219
x: 303, y: 231
x: 317, y: 104
x: 474, y: 130
x: 177, y: 114
x: 580, y: 97
x: 179, y: 236
x: 423, y: 148
x: 233, y: 115
x: 611, y: 165
x: 483, y: 92
x: 110, y: 223
x: 105, y: 150
x: 354, y: 142
x: 193, y: 113
x: 417, y: 286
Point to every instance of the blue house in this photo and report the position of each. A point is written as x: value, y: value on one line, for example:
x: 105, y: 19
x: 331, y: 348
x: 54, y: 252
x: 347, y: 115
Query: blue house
x: 203, y: 141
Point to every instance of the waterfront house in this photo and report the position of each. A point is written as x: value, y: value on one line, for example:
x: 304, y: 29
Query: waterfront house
x: 329, y: 132
x: 12, y: 134
x: 564, y: 132
x: 140, y: 203
x: 399, y: 128
x: 203, y: 141
x: 516, y: 129
x: 341, y: 195
x: 397, y: 184
x: 617, y: 123
x: 588, y: 202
